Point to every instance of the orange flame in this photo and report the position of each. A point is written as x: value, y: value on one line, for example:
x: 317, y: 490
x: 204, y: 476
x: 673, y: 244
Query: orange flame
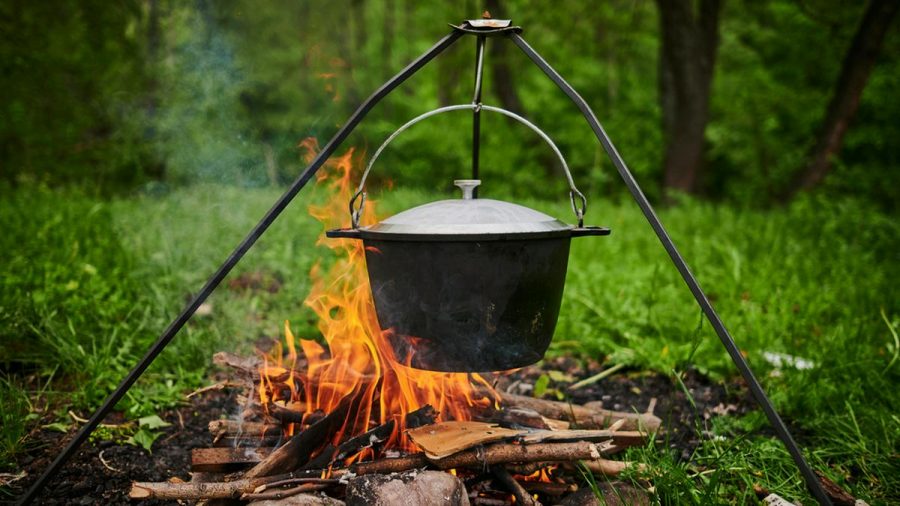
x: 357, y: 363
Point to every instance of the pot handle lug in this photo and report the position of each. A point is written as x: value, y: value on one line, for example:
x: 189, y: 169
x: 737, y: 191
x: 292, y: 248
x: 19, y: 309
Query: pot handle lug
x: 585, y: 231
x: 343, y: 233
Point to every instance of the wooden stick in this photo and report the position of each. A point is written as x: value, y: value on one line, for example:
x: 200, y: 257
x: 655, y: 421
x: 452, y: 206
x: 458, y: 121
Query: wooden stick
x: 281, y: 494
x: 202, y: 490
x: 521, y: 495
x: 296, y: 452
x: 386, y: 466
x: 619, y: 438
x: 584, y: 417
x: 220, y: 490
x: 221, y: 428
x: 501, y: 453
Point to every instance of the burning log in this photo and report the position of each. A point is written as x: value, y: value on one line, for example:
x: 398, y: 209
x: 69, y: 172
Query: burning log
x: 522, y: 496
x: 422, y: 416
x: 587, y: 418
x: 297, y: 451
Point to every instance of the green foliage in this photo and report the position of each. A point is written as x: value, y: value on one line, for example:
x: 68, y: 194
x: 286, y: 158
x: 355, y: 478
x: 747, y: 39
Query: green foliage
x: 73, y: 84
x: 14, y: 420
x: 223, y: 91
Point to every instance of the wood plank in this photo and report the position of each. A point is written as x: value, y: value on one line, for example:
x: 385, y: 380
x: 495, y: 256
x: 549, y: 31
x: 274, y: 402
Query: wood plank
x: 226, y: 460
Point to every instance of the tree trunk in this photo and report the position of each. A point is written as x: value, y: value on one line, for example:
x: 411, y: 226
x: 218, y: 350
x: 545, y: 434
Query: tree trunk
x: 855, y: 71
x: 502, y: 82
x: 689, y: 40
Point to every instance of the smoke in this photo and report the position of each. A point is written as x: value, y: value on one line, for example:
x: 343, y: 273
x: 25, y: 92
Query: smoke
x: 202, y: 131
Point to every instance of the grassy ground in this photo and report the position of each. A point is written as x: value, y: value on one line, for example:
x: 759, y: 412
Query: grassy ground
x: 88, y: 284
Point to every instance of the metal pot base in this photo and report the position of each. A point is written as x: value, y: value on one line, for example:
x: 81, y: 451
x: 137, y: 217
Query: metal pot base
x: 468, y: 306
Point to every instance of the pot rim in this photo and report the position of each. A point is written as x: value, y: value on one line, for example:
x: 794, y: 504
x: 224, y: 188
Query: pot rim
x: 565, y: 233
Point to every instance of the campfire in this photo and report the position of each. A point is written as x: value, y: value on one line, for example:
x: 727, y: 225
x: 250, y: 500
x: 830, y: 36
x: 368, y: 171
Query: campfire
x: 346, y: 418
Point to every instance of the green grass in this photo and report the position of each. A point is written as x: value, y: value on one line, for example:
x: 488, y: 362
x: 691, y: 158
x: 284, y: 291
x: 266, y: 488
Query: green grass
x: 89, y: 284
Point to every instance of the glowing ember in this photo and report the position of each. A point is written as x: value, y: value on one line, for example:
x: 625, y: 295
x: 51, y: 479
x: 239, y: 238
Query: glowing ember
x: 357, y: 366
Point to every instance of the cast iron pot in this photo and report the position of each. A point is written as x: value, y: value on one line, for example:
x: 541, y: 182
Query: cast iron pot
x: 468, y: 284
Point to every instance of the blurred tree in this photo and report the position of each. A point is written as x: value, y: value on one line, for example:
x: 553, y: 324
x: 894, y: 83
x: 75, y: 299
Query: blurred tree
x: 690, y: 38
x: 857, y: 66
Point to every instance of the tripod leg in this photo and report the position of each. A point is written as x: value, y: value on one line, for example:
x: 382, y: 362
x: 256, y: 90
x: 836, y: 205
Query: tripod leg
x: 232, y: 260
x: 756, y: 389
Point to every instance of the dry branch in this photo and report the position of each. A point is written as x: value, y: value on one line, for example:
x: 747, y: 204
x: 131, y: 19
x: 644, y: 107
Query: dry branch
x: 221, y: 428
x: 501, y: 453
x: 275, y: 495
x: 202, y: 490
x: 587, y: 418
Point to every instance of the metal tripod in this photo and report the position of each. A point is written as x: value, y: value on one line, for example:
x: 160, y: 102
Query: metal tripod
x: 481, y: 29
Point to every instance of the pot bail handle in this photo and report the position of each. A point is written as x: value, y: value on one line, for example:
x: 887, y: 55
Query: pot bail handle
x: 577, y: 199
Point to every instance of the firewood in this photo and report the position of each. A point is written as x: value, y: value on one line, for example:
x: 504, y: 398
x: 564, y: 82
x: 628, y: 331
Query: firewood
x: 522, y: 496
x: 248, y: 441
x: 283, y: 493
x: 297, y: 451
x: 226, y: 460
x: 583, y: 417
x: 500, y: 453
x: 203, y: 490
x: 222, y: 428
x: 422, y: 416
x: 621, y: 438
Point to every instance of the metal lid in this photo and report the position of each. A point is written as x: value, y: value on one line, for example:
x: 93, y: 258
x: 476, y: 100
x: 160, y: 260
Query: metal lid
x: 468, y: 218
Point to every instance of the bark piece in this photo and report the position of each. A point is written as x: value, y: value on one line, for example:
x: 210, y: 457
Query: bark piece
x: 446, y: 438
x: 425, y: 488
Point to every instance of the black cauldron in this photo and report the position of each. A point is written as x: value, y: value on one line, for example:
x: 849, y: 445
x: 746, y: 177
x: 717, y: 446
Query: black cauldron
x: 468, y: 284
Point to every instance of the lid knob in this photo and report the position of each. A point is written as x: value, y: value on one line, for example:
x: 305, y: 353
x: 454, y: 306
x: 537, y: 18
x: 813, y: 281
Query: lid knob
x: 468, y: 187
